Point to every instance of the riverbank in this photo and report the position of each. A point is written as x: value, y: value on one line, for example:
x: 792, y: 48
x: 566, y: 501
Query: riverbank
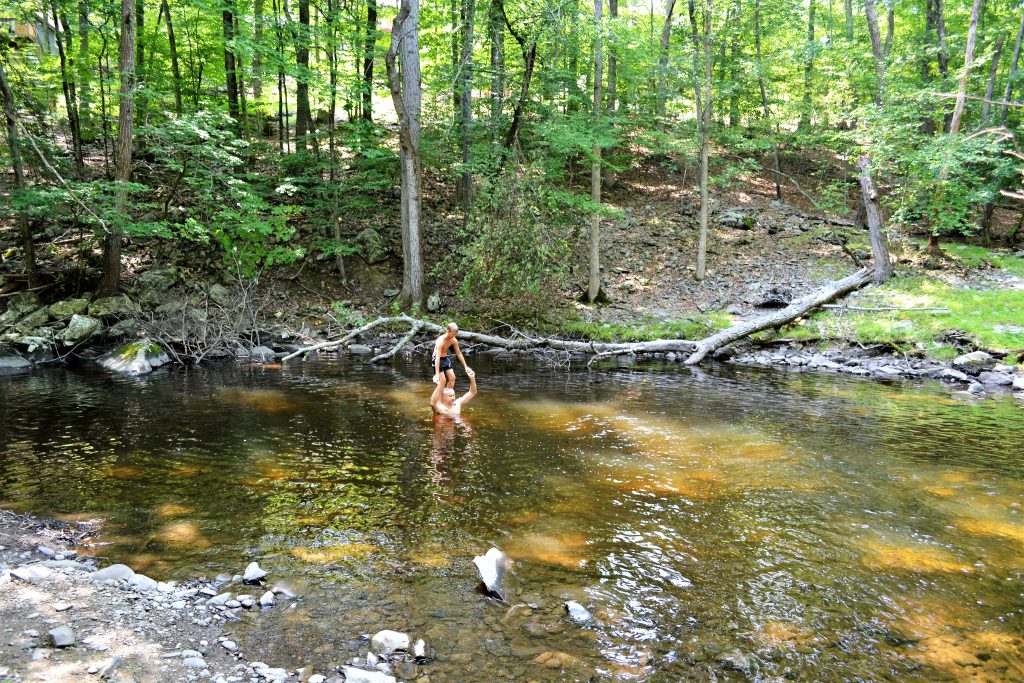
x: 64, y: 618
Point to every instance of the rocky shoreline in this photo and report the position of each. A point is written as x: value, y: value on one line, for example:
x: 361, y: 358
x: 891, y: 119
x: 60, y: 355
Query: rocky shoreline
x: 64, y: 618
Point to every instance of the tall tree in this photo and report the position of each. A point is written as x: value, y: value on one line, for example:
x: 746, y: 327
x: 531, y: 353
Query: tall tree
x: 62, y: 34
x: 876, y: 49
x: 992, y: 73
x: 172, y: 46
x: 1013, y: 70
x: 961, y: 92
x: 303, y: 114
x: 666, y: 37
x: 497, y: 35
x: 257, y: 57
x: 594, y: 281
x: 368, y: 54
x: 406, y: 94
x: 83, y: 77
x: 228, y: 28
x: 765, y: 110
x: 702, y: 82
x: 24, y: 230
x: 805, y: 112
x: 466, y: 106
x: 123, y: 163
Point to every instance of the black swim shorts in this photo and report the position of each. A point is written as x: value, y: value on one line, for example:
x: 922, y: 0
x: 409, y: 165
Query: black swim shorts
x: 446, y: 363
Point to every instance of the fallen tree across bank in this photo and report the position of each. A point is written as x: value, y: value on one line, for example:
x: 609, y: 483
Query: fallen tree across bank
x: 697, y: 350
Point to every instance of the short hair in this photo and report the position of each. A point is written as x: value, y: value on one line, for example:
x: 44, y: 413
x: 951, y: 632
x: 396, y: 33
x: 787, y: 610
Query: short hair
x: 452, y: 327
x: 449, y: 392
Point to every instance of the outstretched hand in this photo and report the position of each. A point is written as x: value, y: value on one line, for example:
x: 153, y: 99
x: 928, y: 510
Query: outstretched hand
x: 470, y: 373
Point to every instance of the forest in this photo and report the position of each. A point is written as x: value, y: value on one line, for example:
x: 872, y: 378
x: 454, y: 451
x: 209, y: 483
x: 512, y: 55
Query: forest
x: 504, y: 154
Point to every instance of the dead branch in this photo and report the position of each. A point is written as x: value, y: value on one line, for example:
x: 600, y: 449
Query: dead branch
x: 413, y: 331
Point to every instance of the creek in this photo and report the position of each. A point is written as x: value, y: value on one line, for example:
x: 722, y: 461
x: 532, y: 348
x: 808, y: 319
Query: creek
x: 718, y: 522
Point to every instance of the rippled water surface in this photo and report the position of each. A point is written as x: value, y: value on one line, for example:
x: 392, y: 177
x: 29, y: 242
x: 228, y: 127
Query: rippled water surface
x: 719, y: 524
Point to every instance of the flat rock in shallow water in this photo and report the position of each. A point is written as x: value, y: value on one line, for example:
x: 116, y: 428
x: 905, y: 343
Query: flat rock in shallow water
x: 10, y: 364
x: 354, y: 675
x: 493, y: 565
x: 578, y: 612
x: 995, y: 379
x: 385, y: 642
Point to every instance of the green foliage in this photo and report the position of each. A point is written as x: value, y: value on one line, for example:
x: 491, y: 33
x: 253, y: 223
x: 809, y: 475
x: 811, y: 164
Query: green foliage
x: 692, y: 327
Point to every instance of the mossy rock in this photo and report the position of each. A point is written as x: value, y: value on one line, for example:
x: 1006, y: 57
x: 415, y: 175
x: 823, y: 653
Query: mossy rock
x: 69, y: 307
x: 136, y: 358
x: 113, y: 306
x: 80, y: 328
x: 34, y: 319
x: 372, y: 246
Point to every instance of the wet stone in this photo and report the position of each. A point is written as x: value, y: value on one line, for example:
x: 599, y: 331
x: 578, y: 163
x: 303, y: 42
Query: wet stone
x: 253, y: 573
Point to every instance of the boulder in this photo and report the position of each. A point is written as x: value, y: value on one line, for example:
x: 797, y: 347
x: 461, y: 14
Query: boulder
x: 157, y: 279
x: 22, y: 303
x: 253, y: 573
x: 1018, y: 383
x: 372, y: 246
x: 113, y: 306
x: 79, y: 329
x: 262, y: 354
x: 995, y: 379
x: 354, y: 675
x: 735, y: 218
x: 221, y: 295
x: 359, y: 349
x: 434, y: 302
x: 31, y: 574
x: 951, y: 375
x: 385, y: 642
x: 974, y: 362
x: 36, y: 318
x: 141, y: 582
x: 136, y: 358
x: 10, y: 364
x: 62, y: 636
x: 69, y: 307
x: 113, y: 573
x: 267, y: 599
x: 493, y: 565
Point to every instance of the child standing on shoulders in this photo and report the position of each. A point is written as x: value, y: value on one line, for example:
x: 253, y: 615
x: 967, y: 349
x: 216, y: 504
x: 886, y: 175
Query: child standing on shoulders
x: 444, y: 346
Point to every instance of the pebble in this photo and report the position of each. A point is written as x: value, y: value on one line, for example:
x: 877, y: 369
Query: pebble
x: 62, y: 636
x: 61, y: 606
x: 229, y: 645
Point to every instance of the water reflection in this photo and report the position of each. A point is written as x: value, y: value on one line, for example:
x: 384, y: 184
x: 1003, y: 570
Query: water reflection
x: 715, y: 523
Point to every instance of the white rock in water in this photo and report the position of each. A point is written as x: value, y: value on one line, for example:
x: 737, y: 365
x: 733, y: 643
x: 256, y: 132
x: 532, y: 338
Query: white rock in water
x: 354, y: 675
x: 493, y: 565
x: 136, y: 358
x: 253, y: 573
x: 113, y: 573
x: 267, y: 599
x: 385, y: 642
x: 419, y: 651
x: 578, y: 612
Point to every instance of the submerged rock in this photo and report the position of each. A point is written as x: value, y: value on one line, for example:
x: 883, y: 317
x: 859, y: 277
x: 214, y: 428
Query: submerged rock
x: 136, y: 358
x: 493, y: 565
x: 385, y: 642
x: 354, y: 675
x: 578, y: 612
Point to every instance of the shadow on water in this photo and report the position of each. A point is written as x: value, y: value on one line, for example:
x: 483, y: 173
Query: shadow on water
x: 724, y: 523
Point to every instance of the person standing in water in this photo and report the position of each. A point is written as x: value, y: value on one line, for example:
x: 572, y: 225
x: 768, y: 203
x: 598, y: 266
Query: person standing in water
x: 443, y: 401
x: 444, y: 346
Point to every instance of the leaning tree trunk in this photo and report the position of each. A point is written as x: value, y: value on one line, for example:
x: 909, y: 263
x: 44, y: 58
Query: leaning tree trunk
x: 877, y: 50
x: 406, y: 95
x: 594, y: 281
x: 879, y: 249
x: 123, y: 162
x: 529, y: 51
x: 84, y: 74
x: 19, y: 179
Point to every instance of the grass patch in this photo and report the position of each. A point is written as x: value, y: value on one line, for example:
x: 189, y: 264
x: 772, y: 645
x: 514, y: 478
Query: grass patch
x: 980, y: 257
x: 991, y: 318
x: 694, y: 327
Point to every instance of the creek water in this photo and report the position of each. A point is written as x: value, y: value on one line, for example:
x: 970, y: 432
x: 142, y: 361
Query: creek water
x: 718, y: 523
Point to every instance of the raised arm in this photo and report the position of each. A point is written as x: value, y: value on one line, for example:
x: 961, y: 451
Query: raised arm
x: 468, y: 396
x: 435, y: 397
x: 437, y: 361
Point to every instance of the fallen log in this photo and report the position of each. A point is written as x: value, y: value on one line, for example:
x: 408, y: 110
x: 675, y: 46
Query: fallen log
x: 697, y: 350
x: 783, y: 316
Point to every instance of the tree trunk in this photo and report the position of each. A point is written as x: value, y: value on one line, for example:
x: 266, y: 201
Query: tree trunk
x: 63, y: 37
x: 368, y: 53
x: 83, y: 76
x: 228, y: 23
x: 466, y: 107
x: 961, y: 93
x: 407, y: 96
x: 783, y: 316
x: 702, y: 87
x: 890, y: 29
x: 594, y: 281
x: 879, y: 248
x: 607, y: 174
x: 257, y: 57
x: 123, y: 163
x: 992, y: 72
x: 876, y: 49
x: 805, y: 113
x: 529, y: 51
x: 13, y: 145
x: 666, y: 36
x: 776, y: 166
x: 173, y: 47
x: 140, y: 43
x: 497, y: 32
x: 849, y: 19
x: 1013, y: 70
x: 303, y: 115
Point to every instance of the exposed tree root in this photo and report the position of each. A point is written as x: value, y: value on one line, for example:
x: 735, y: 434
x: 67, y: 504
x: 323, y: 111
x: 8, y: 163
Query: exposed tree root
x: 697, y: 350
